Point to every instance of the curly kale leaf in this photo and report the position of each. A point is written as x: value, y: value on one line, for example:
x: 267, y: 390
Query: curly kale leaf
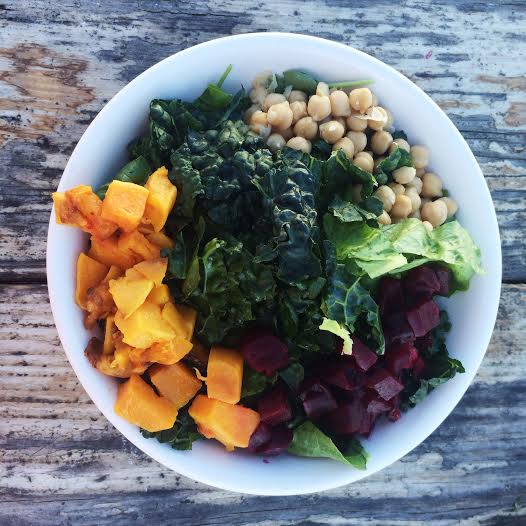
x: 181, y: 436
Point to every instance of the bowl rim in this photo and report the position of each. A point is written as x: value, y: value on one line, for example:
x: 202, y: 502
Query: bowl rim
x: 238, y: 39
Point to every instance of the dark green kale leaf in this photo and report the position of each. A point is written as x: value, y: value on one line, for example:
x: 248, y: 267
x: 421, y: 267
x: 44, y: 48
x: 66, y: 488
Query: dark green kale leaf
x: 255, y: 383
x: 293, y: 375
x: 181, y: 436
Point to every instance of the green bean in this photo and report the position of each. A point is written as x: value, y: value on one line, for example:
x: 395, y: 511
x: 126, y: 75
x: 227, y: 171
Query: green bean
x: 350, y: 84
x: 300, y: 80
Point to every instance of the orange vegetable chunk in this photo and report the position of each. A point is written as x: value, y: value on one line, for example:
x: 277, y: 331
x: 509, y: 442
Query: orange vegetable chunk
x: 137, y: 403
x: 89, y: 274
x: 160, y: 295
x: 161, y: 198
x: 160, y: 239
x: 181, y: 318
x: 109, y: 344
x: 154, y: 269
x: 135, y: 243
x: 129, y: 294
x: 176, y: 382
x: 167, y: 352
x: 224, y: 374
x: 232, y: 425
x: 107, y: 251
x: 124, y: 204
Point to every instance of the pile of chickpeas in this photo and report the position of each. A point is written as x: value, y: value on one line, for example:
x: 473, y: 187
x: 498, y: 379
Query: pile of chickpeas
x: 356, y: 124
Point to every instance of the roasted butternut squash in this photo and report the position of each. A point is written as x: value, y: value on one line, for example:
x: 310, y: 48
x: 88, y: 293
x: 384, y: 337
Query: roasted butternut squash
x: 224, y: 374
x: 135, y: 243
x: 154, y: 269
x: 137, y: 403
x: 167, y: 352
x: 232, y: 425
x: 160, y: 295
x: 161, y: 198
x: 176, y: 382
x: 129, y: 294
x: 181, y: 318
x: 144, y: 327
x: 160, y: 239
x: 89, y: 274
x: 107, y: 251
x: 109, y: 344
x: 124, y: 204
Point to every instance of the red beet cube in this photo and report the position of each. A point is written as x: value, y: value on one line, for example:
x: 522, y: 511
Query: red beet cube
x: 281, y: 437
x: 374, y: 404
x: 390, y: 296
x: 317, y: 399
x: 386, y: 385
x: 444, y: 278
x: 338, y: 373
x: 394, y: 414
x: 424, y: 342
x: 401, y: 334
x: 418, y: 367
x: 274, y: 407
x: 264, y: 352
x: 260, y: 437
x: 348, y: 418
x: 363, y: 356
x: 421, y: 283
x: 400, y: 357
x: 423, y: 317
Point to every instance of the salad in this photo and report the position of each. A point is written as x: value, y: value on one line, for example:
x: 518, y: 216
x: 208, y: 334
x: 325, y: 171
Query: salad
x: 265, y: 270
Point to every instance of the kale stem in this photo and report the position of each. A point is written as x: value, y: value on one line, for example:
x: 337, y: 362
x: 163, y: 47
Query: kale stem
x: 350, y: 83
x: 224, y: 76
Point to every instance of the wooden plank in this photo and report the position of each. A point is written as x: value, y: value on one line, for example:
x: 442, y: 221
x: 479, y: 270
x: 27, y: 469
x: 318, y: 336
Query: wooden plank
x: 60, y: 65
x: 61, y: 462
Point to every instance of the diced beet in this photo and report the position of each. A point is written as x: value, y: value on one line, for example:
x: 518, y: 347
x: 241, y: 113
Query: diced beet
x: 400, y: 357
x: 401, y: 334
x: 374, y: 404
x: 393, y: 320
x: 394, y: 414
x: 338, y: 373
x: 274, y: 407
x: 444, y: 278
x: 386, y: 385
x: 423, y: 317
x: 367, y: 424
x: 264, y: 352
x: 421, y: 283
x: 363, y: 356
x: 424, y: 342
x: 317, y: 399
x: 390, y: 296
x: 419, y: 367
x: 260, y: 437
x: 349, y: 418
x: 281, y: 437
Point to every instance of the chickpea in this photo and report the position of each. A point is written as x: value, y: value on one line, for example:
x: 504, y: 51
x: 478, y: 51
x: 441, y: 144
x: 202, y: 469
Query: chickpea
x: 346, y: 145
x: 415, y: 215
x: 361, y: 99
x: 404, y: 175
x: 340, y: 104
x: 259, y: 124
x: 398, y: 189
x: 415, y: 199
x: 280, y: 115
x: 331, y: 131
x: 424, y: 200
x: 271, y: 99
x: 420, y: 155
x: 364, y: 161
x: 276, y: 142
x: 299, y: 143
x: 431, y: 185
x: 262, y: 78
x: 387, y: 196
x: 359, y: 139
x: 451, y: 204
x: 319, y: 107
x: 420, y: 172
x: 402, y: 207
x: 251, y: 111
x: 380, y: 141
x: 306, y: 127
x: 287, y: 134
x: 384, y: 218
x: 356, y: 193
x: 399, y: 143
x: 417, y: 184
x: 322, y: 89
x: 258, y: 94
x: 299, y: 110
x: 356, y: 124
x: 374, y: 100
x: 428, y: 225
x: 297, y: 96
x: 342, y: 121
x: 380, y: 120
x: 435, y: 212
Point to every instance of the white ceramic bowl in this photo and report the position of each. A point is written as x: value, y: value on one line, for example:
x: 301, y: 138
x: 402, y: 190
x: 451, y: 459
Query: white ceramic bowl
x: 102, y: 151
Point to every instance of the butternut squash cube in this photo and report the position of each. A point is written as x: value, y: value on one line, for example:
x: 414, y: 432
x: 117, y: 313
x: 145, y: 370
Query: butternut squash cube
x: 161, y: 198
x: 144, y: 327
x: 181, y: 318
x: 168, y: 352
x: 109, y: 345
x: 160, y: 295
x: 224, y: 374
x: 89, y: 274
x: 129, y: 294
x: 160, y: 239
x: 154, y: 269
x: 124, y: 204
x: 107, y: 251
x: 66, y: 213
x: 232, y: 425
x: 136, y: 244
x: 132, y: 273
x: 113, y: 273
x: 137, y: 403
x: 176, y: 382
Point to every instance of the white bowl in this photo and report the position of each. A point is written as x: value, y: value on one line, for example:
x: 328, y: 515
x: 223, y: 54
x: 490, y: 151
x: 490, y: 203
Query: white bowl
x: 102, y: 151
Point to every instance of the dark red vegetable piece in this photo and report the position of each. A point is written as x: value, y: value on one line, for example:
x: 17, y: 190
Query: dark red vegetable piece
x: 418, y: 367
x: 444, y: 279
x: 374, y: 404
x: 281, y: 437
x: 259, y: 437
x: 363, y: 356
x: 386, y: 385
x: 423, y: 317
x: 421, y: 283
x: 274, y: 407
x: 349, y: 418
x: 317, y: 399
x: 401, y: 334
x: 390, y: 296
x: 264, y: 352
x: 424, y: 342
x: 338, y: 373
x: 400, y: 357
x: 394, y: 415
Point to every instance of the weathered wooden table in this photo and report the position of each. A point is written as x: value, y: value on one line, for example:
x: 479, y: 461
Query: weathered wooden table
x: 61, y: 462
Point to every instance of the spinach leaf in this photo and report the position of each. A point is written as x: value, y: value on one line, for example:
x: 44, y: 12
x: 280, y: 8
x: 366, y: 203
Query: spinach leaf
x: 310, y: 441
x: 396, y: 159
x: 348, y: 212
x: 255, y: 383
x: 293, y: 375
x: 181, y: 436
x: 136, y: 171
